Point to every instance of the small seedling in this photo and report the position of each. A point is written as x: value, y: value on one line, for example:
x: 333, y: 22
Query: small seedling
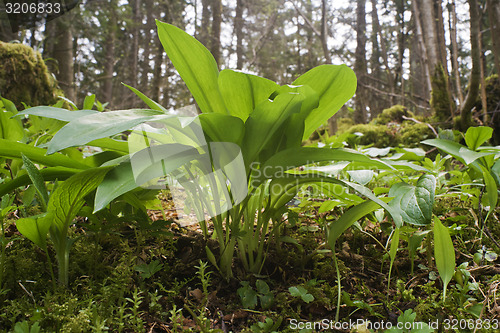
x: 301, y: 292
x: 268, y: 326
x: 148, y: 270
x: 407, y: 321
x: 249, y: 297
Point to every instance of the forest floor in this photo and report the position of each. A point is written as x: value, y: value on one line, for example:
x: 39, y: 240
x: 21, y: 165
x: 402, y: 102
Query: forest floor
x: 139, y: 278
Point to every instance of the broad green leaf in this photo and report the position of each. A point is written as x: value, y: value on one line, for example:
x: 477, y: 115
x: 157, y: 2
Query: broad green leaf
x: 327, y: 206
x: 377, y: 152
x: 99, y: 159
x: 243, y: 92
x: 48, y: 174
x: 100, y: 125
x: 68, y: 198
x: 37, y: 179
x: 8, y: 105
x: 222, y: 128
x: 142, y: 169
x: 362, y: 177
x: 35, y: 228
x: 392, y: 253
x: 56, y: 113
x: 452, y: 148
x: 117, y: 181
x: 10, y: 129
x: 405, y: 165
x: 448, y: 146
x: 444, y: 253
x: 476, y: 136
x: 10, y: 149
x: 470, y: 156
x: 491, y: 189
x: 265, y: 120
x: 196, y: 66
x: 110, y: 144
x: 88, y: 102
x: 152, y: 104
x: 335, y: 85
x: 289, y: 133
x: 415, y: 203
x: 415, y: 241
x: 395, y: 214
x: 347, y: 219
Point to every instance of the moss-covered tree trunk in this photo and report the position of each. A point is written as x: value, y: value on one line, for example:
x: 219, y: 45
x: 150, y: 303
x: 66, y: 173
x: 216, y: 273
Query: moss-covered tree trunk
x: 494, y: 18
x: 24, y: 77
x: 475, y: 76
x: 430, y: 15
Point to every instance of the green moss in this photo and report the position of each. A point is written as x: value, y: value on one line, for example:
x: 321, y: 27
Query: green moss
x: 407, y: 134
x: 393, y: 114
x: 376, y: 135
x: 440, y: 95
x: 343, y: 124
x: 24, y: 77
x: 411, y: 135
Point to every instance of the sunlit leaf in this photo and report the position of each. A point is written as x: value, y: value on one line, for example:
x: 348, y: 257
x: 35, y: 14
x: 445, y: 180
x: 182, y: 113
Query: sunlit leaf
x: 35, y: 228
x: 196, y: 66
x: 415, y: 203
x: 476, y: 136
x: 444, y: 253
x: 335, y: 85
x: 243, y: 92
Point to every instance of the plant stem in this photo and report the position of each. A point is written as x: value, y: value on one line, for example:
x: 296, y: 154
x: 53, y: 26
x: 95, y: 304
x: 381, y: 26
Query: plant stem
x: 339, y: 287
x: 49, y: 261
x: 63, y: 265
x: 2, y: 256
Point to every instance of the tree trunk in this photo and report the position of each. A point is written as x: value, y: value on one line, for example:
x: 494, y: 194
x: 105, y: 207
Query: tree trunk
x: 426, y: 9
x: 204, y: 34
x: 482, y: 67
x: 147, y: 45
x: 215, y: 46
x: 158, y: 62
x: 109, y: 60
x: 441, y: 41
x: 422, y: 47
x: 441, y: 101
x: 400, y: 7
x: 324, y: 32
x: 136, y: 12
x: 475, y: 76
x: 454, y: 51
x: 238, y: 31
x: 494, y: 18
x: 360, y: 63
x: 62, y: 52
x: 419, y: 74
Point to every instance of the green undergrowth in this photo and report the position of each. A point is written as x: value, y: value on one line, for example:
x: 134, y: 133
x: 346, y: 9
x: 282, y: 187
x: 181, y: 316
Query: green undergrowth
x: 390, y: 128
x: 138, y: 283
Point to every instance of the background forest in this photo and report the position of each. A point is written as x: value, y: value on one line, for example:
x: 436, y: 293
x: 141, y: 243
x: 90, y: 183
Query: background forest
x: 399, y: 49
